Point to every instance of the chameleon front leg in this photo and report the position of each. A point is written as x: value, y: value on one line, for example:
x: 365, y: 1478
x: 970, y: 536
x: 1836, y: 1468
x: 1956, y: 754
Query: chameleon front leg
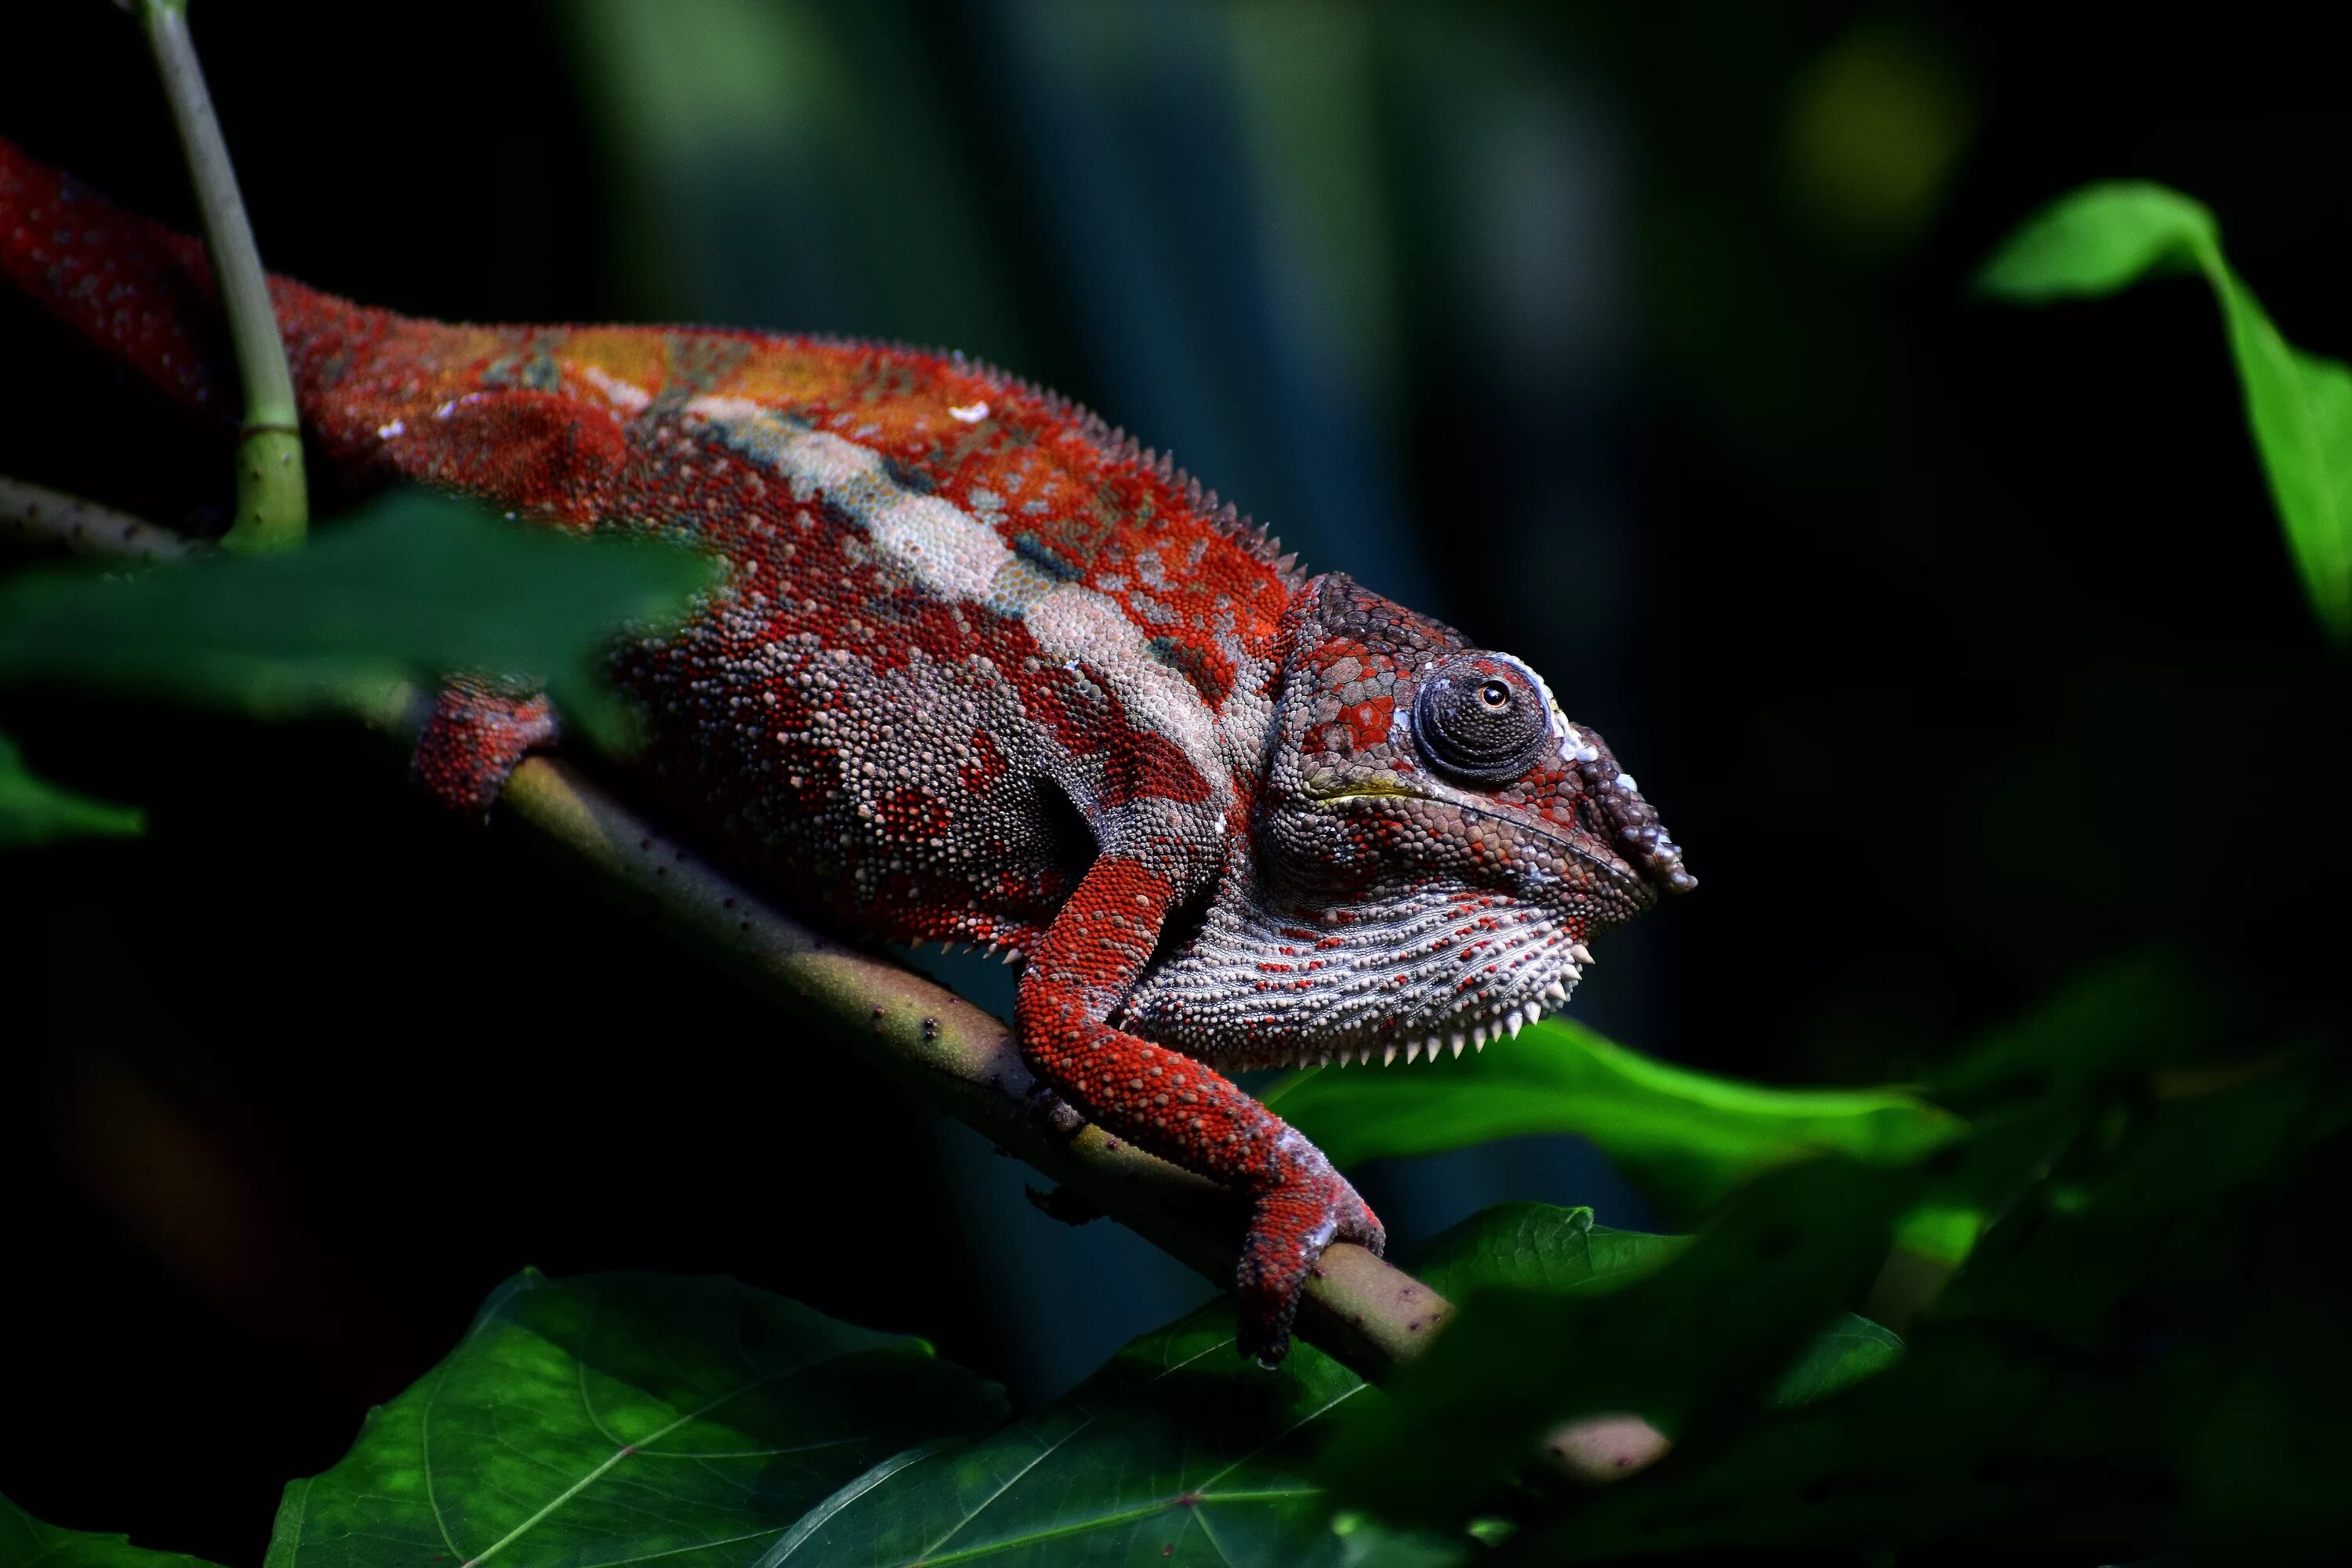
x: 1175, y: 1107
x: 479, y: 731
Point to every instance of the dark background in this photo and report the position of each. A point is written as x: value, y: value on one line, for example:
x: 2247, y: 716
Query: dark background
x: 1956, y: 643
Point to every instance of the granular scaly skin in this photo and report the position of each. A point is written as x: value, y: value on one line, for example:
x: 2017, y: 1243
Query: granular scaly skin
x: 984, y: 671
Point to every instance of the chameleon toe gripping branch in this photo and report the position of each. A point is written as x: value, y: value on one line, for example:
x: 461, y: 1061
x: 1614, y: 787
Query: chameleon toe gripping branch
x: 984, y: 669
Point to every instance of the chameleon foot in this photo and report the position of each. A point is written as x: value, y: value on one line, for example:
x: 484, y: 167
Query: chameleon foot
x: 1292, y: 1226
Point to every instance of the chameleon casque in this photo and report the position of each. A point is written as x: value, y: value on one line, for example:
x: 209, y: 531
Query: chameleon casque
x: 983, y: 670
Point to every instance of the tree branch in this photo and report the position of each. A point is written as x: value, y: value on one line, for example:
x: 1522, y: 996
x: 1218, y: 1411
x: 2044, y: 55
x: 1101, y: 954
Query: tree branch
x: 52, y: 517
x: 947, y: 1053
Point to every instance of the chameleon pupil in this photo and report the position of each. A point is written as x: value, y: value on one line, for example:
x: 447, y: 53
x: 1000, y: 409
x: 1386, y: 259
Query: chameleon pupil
x: 1495, y: 695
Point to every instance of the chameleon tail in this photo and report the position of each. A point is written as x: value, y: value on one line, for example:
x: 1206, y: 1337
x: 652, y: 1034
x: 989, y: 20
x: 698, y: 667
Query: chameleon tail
x: 145, y: 293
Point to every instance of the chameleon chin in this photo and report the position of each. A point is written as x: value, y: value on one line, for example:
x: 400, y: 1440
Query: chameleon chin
x: 984, y: 669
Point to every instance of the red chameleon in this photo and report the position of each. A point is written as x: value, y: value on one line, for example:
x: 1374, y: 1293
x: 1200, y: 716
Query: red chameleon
x: 984, y: 669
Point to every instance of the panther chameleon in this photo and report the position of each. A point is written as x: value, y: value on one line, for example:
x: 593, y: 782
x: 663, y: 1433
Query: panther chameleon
x: 983, y: 670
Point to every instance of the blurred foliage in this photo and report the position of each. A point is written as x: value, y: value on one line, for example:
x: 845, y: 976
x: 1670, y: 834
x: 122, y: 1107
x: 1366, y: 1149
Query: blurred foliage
x: 1706, y: 1337
x: 1876, y: 126
x: 1686, y: 1138
x: 414, y: 587
x: 35, y: 811
x: 2107, y: 236
x: 2092, y: 1376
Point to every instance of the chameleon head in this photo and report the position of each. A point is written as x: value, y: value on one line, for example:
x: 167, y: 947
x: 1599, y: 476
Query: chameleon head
x: 1432, y: 844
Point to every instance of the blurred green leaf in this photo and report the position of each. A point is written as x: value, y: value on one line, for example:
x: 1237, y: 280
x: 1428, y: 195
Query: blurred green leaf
x: 25, y: 1541
x: 619, y: 1417
x: 1851, y: 1349
x: 1177, y: 1451
x: 1559, y: 1251
x: 35, y: 811
x: 2093, y: 1379
x: 2105, y: 238
x: 1686, y: 1137
x: 414, y: 586
x: 1540, y: 1247
x: 2099, y: 239
x: 1687, y: 1334
x: 2121, y: 1019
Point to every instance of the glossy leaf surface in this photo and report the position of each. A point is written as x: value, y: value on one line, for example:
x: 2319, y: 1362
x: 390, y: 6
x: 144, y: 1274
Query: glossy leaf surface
x: 624, y: 1418
x: 1178, y: 1451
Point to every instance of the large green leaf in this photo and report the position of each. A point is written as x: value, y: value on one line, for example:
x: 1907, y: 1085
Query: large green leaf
x: 35, y: 811
x: 1175, y: 1452
x: 2107, y: 236
x: 620, y: 1418
x: 1687, y: 1138
x: 415, y: 586
x: 25, y: 1541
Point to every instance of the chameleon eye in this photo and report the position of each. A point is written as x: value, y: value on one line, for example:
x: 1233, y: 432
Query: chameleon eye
x: 1481, y: 724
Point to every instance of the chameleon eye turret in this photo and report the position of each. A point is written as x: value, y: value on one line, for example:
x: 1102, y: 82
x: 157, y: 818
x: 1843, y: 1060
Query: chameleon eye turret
x: 1482, y: 719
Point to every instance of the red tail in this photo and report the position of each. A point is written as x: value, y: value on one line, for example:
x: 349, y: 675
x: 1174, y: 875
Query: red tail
x: 132, y: 285
x: 145, y: 294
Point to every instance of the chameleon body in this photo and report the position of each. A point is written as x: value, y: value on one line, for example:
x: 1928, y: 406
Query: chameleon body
x: 985, y: 671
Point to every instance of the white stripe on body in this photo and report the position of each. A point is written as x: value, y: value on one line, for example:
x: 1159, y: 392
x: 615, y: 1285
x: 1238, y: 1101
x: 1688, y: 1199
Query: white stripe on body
x: 962, y: 559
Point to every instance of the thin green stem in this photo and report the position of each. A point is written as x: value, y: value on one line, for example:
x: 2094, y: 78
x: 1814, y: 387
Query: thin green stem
x: 272, y: 504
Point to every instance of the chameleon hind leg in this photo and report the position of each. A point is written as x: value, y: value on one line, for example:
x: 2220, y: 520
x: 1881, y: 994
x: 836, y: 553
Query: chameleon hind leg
x: 1174, y: 1106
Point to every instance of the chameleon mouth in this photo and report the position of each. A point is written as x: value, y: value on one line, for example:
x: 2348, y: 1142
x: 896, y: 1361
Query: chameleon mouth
x: 1618, y: 872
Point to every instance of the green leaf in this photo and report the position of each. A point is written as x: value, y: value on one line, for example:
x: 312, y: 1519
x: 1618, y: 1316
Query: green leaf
x: 1540, y: 1247
x: 25, y: 1541
x: 2105, y: 238
x: 1686, y: 1137
x: 2099, y: 239
x: 1851, y: 1349
x: 617, y: 1418
x: 35, y: 811
x: 1175, y: 1452
x: 415, y: 586
x: 2146, y: 1010
x: 1560, y: 1252
x: 1693, y: 1338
